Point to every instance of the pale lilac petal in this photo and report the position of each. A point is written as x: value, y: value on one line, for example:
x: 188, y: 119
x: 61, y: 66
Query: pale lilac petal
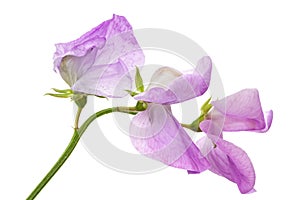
x: 242, y: 111
x: 163, y: 77
x: 205, y: 145
x: 268, y: 119
x: 231, y: 162
x: 204, y: 67
x: 157, y: 134
x: 95, y: 37
x: 212, y: 128
x: 75, y: 49
x: 105, y: 80
x: 73, y: 68
x: 182, y: 88
x: 109, y: 44
x: 122, y: 46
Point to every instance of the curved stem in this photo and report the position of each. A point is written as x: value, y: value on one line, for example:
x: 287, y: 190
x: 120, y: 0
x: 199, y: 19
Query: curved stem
x: 84, y: 126
x: 72, y: 144
x: 77, y: 117
x: 58, y: 164
x: 186, y: 126
x: 128, y: 110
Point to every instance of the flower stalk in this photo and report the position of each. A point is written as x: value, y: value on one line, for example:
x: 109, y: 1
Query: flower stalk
x: 78, y: 132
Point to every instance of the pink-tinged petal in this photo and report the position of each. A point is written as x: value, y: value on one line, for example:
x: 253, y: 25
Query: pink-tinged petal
x: 242, y: 111
x: 183, y: 87
x: 75, y: 49
x: 116, y: 31
x: 205, y: 145
x: 105, y: 80
x: 122, y: 46
x: 155, y: 133
x: 204, y: 67
x: 231, y: 162
x: 163, y: 77
x: 108, y: 44
x: 212, y: 128
x: 268, y: 119
x: 73, y: 68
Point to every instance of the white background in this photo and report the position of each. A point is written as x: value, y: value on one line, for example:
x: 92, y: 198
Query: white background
x: 253, y: 44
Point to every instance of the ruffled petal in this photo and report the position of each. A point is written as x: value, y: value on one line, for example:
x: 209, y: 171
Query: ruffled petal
x: 212, y: 128
x: 182, y: 88
x: 231, y: 162
x: 122, y: 46
x: 105, y: 80
x: 73, y: 68
x: 163, y: 77
x: 155, y: 133
x: 110, y: 43
x: 94, y: 38
x: 242, y: 111
x: 268, y: 119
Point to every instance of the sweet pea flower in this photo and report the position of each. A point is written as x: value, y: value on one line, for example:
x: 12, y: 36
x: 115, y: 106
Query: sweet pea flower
x: 169, y: 86
x: 98, y: 62
x: 155, y: 132
x: 241, y: 111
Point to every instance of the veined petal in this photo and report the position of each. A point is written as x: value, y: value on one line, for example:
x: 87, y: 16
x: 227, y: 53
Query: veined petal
x: 111, y: 80
x: 213, y: 129
x: 268, y: 119
x: 242, y: 111
x: 163, y: 77
x: 182, y: 88
x: 157, y: 134
x: 76, y: 49
x: 109, y: 44
x: 122, y: 46
x: 231, y: 162
x: 93, y: 38
x: 73, y: 68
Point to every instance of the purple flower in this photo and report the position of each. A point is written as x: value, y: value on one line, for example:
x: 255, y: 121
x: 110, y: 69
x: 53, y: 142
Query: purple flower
x: 155, y: 132
x: 229, y: 161
x: 239, y: 112
x: 169, y: 86
x: 98, y: 62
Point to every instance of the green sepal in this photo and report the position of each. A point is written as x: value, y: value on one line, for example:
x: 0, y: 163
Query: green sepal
x: 195, y: 124
x: 132, y: 93
x: 79, y: 99
x: 65, y: 91
x: 205, y: 108
x: 102, y: 97
x: 67, y: 95
x: 141, y: 106
x: 139, y: 81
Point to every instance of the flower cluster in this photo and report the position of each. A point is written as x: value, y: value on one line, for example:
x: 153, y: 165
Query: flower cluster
x: 100, y: 63
x: 238, y: 112
x: 157, y: 134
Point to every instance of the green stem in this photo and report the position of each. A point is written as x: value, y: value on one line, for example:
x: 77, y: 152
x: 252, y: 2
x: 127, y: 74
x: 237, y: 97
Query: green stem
x: 128, y: 110
x: 186, y: 126
x: 72, y: 144
x: 57, y: 165
x: 77, y: 117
